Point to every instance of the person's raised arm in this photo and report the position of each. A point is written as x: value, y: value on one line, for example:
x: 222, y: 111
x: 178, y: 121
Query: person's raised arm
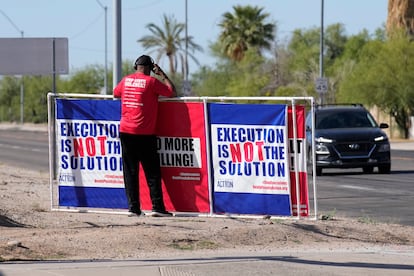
x: 164, y: 78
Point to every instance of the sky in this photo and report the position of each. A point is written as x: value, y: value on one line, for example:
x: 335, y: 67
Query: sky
x: 83, y: 22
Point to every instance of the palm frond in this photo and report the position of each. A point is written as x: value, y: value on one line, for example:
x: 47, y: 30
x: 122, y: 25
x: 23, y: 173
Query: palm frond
x: 167, y: 40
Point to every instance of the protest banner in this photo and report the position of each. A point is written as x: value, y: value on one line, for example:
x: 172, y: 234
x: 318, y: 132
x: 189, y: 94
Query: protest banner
x: 216, y: 158
x: 89, y: 170
x: 90, y: 161
x: 250, y: 159
x: 300, y: 156
x: 183, y: 159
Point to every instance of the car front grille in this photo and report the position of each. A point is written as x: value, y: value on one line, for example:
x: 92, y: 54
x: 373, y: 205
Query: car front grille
x: 354, y: 150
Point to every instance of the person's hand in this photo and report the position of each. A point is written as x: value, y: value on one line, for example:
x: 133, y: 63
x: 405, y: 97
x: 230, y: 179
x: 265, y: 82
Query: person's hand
x: 158, y: 71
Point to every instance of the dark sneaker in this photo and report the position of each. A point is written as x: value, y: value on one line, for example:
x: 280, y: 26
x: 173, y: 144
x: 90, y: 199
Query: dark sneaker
x: 135, y: 214
x: 161, y: 214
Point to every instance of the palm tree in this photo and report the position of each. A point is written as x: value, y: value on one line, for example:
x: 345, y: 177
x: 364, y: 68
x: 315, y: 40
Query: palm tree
x: 400, y: 16
x: 245, y: 29
x: 168, y: 40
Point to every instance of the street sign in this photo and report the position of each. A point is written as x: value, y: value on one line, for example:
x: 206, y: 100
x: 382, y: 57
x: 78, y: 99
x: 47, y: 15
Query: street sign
x: 321, y: 85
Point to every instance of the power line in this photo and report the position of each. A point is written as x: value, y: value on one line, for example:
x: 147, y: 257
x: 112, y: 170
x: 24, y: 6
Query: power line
x: 93, y: 22
x: 11, y: 22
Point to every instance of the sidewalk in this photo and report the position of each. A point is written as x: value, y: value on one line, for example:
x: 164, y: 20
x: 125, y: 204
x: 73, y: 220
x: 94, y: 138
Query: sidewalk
x: 402, y: 144
x: 25, y: 127
x: 378, y: 262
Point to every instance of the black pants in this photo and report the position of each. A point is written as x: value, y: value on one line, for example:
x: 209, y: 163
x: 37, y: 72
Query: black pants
x: 142, y: 149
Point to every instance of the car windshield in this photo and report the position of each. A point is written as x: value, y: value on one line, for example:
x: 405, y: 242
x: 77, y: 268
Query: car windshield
x: 344, y: 119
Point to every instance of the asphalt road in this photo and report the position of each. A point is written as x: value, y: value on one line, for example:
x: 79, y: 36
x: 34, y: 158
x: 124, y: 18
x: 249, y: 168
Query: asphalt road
x: 370, y: 197
x: 26, y: 149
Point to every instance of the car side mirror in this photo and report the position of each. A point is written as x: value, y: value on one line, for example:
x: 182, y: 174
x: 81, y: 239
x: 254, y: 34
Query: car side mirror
x: 384, y: 125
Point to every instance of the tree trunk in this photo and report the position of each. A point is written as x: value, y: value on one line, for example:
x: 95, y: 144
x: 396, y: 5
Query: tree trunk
x: 172, y: 65
x: 400, y: 16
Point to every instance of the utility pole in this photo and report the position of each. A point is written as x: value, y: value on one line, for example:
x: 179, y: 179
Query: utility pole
x: 106, y: 46
x: 186, y: 42
x: 321, y: 42
x: 117, y: 68
x: 186, y: 83
x: 323, y: 82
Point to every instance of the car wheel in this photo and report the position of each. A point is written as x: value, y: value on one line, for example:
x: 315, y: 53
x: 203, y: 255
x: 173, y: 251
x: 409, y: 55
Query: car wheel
x: 384, y: 169
x: 368, y: 169
x: 318, y: 171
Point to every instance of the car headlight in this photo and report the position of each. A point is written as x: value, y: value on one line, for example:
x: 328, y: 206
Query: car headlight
x: 323, y: 140
x: 384, y: 147
x: 321, y: 149
x: 380, y: 138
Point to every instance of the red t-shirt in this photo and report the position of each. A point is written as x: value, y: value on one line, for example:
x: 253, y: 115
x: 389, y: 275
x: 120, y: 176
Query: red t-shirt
x: 139, y: 102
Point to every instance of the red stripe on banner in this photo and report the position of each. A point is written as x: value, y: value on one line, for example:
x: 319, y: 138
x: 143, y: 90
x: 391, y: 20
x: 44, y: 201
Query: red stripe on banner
x: 182, y: 144
x: 300, y: 122
x: 303, y: 180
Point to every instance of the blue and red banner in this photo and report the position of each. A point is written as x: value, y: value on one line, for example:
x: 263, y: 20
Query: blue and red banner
x: 250, y: 159
x: 300, y: 156
x: 182, y: 148
x: 90, y: 160
x: 89, y: 154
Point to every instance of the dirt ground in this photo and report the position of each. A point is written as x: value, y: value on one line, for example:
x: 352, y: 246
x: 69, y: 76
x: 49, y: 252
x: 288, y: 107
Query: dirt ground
x: 30, y: 231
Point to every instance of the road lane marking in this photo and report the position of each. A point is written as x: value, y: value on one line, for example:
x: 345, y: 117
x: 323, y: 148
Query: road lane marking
x: 357, y: 188
x: 22, y: 148
x: 402, y: 158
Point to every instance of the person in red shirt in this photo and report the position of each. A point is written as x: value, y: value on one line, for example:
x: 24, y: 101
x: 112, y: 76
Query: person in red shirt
x: 139, y: 94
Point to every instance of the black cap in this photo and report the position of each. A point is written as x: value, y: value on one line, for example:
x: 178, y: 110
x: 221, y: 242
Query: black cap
x: 144, y: 60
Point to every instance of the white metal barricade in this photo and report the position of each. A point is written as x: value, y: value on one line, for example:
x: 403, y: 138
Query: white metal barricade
x: 292, y: 101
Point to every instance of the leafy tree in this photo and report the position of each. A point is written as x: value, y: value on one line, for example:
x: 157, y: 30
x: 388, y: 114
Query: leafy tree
x: 251, y: 77
x: 168, y: 40
x: 353, y: 46
x: 279, y: 76
x: 340, y: 54
x: 384, y: 78
x: 245, y: 29
x: 35, y: 99
x: 335, y: 40
x: 127, y: 67
x: 88, y: 80
x: 304, y: 48
x: 345, y: 63
x: 213, y: 82
x: 9, y: 98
